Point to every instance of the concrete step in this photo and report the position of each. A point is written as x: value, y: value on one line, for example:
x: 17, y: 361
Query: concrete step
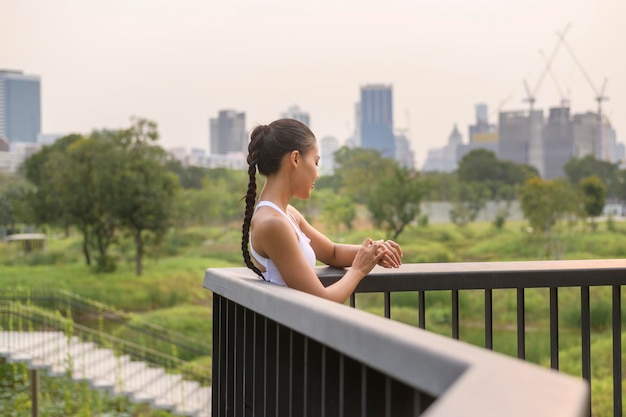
x: 139, y: 381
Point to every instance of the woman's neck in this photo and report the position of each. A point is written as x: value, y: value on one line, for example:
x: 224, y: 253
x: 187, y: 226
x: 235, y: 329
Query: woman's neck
x: 277, y: 192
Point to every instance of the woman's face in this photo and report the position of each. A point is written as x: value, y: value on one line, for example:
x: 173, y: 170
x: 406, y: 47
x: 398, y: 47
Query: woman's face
x: 306, y: 172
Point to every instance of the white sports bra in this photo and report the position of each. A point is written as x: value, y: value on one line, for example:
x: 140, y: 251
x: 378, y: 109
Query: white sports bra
x: 271, y: 273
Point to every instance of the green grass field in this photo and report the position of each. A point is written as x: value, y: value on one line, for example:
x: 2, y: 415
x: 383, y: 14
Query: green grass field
x: 170, y: 290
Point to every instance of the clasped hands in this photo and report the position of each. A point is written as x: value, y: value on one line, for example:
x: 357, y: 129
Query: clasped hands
x: 392, y: 257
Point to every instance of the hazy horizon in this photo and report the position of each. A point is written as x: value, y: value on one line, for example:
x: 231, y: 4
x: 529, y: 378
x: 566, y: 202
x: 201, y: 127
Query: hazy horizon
x: 179, y: 63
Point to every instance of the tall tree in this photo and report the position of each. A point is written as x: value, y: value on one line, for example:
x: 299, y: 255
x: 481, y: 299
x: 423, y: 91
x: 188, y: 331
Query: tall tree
x: 359, y: 170
x: 547, y: 205
x: 593, y: 192
x: 146, y: 198
x: 395, y: 200
x: 577, y: 169
x: 470, y: 198
x: 44, y: 198
x: 338, y: 210
x: 13, y: 208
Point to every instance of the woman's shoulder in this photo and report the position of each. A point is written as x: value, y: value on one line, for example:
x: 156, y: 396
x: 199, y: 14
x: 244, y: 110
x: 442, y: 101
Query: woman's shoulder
x: 269, y: 220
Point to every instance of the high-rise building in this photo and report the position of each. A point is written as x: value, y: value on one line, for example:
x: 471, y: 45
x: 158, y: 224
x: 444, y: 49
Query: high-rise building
x: 20, y: 106
x: 558, y: 142
x: 328, y: 147
x: 376, y: 119
x: 294, y: 112
x: 228, y: 133
x: 445, y: 159
x: 520, y: 138
x: 482, y: 131
x: 404, y: 154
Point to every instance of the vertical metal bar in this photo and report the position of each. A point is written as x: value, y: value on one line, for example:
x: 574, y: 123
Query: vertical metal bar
x: 271, y: 364
x: 34, y: 392
x: 260, y: 347
x: 323, y: 385
x: 236, y: 385
x: 353, y: 300
x: 521, y: 325
x: 249, y: 365
x: 488, y: 319
x: 554, y: 327
x: 299, y: 381
x: 387, y: 301
x: 585, y: 332
x: 363, y: 391
x: 388, y: 401
x: 455, y: 314
x: 283, y: 369
x: 277, y: 372
x: 342, y: 381
x: 421, y: 307
x: 585, y: 321
x: 229, y: 352
x: 291, y: 372
x: 217, y: 354
x: 617, y: 350
x: 417, y: 403
x: 305, y: 378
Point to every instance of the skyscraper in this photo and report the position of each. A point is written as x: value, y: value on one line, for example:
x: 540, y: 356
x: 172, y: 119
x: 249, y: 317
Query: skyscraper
x: 294, y: 112
x: 228, y: 133
x: 328, y: 146
x: 558, y: 142
x: 376, y: 121
x: 520, y: 138
x: 20, y: 106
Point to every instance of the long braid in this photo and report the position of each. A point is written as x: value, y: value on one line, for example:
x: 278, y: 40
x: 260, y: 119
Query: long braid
x: 247, y: 218
x: 268, y: 144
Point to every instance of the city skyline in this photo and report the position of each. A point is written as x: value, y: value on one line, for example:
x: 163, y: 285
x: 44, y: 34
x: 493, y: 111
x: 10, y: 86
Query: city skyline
x: 179, y: 64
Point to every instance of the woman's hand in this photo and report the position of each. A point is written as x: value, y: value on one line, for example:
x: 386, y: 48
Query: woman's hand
x: 369, y: 255
x: 392, y: 257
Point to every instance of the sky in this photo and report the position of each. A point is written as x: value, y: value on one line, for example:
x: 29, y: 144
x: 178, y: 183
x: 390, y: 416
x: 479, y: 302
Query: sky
x: 179, y: 62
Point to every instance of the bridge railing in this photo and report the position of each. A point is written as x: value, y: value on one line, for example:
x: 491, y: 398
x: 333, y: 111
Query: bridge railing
x: 277, y: 351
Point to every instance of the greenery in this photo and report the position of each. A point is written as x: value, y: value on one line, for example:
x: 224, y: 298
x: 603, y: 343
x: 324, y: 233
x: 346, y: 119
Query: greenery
x: 170, y: 291
x: 147, y: 227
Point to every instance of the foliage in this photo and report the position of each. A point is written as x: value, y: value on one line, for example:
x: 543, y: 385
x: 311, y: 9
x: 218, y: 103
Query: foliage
x: 482, y: 166
x: 395, y: 200
x: 547, y: 205
x: 593, y: 193
x: 470, y: 199
x: 577, y: 169
x: 358, y: 170
x: 102, y: 184
x: 146, y: 199
x: 337, y: 211
x: 440, y: 186
x: 13, y: 207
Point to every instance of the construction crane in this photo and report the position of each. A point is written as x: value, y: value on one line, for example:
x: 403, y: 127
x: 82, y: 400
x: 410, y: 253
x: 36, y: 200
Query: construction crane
x: 531, y: 95
x: 564, y: 97
x: 599, y: 93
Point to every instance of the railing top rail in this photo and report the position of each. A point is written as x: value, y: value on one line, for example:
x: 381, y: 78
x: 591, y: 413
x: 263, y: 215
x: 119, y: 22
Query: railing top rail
x: 468, y: 380
x: 75, y: 300
x: 488, y: 275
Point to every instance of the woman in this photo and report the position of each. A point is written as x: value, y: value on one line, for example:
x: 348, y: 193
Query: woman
x: 283, y: 244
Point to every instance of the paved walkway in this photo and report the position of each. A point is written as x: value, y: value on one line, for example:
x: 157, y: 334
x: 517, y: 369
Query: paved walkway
x: 139, y: 381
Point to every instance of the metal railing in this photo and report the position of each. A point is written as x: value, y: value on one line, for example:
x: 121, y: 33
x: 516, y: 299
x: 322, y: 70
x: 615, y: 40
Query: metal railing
x: 101, y: 317
x: 17, y: 318
x: 520, y: 275
x: 277, y: 351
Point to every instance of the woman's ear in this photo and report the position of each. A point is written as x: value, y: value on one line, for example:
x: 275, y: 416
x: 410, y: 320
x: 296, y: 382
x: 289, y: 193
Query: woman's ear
x: 294, y: 158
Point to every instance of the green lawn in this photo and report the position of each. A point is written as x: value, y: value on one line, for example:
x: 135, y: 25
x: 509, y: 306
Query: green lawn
x: 170, y: 291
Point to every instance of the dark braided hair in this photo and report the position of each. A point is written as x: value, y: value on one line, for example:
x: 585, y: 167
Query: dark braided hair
x: 268, y: 144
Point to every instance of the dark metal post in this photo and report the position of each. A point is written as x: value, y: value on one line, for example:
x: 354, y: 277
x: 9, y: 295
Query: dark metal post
x: 34, y: 391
